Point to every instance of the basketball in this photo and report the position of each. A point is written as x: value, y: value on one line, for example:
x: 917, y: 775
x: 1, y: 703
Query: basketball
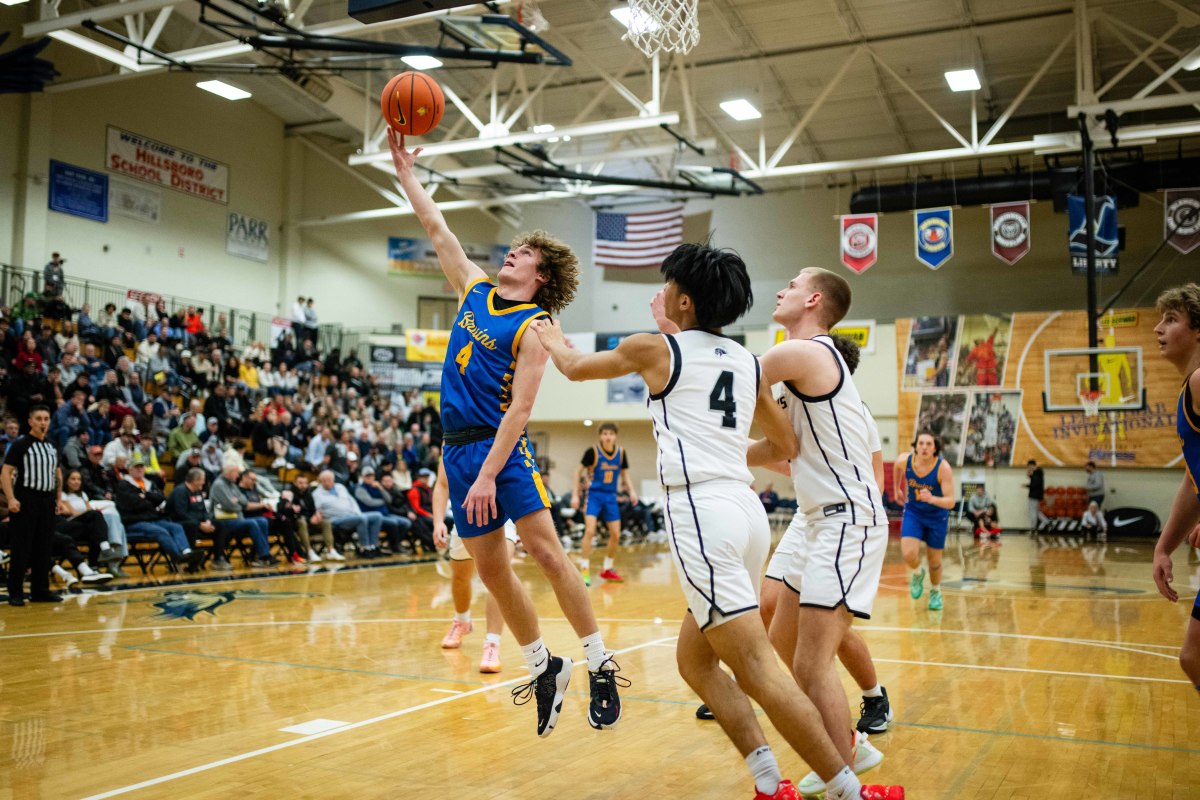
x: 412, y: 103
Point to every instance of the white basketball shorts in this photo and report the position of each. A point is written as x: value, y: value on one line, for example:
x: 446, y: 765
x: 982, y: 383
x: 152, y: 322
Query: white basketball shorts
x: 719, y: 537
x: 791, y: 541
x: 839, y: 565
x: 458, y: 550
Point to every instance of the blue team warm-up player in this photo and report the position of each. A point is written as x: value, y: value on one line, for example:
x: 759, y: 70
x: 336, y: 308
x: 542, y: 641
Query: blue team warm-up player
x: 609, y: 468
x: 926, y: 483
x: 489, y: 382
x: 1178, y: 334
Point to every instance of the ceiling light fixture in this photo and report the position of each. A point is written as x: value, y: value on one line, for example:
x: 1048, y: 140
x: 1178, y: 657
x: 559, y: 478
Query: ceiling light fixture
x: 1191, y: 62
x: 421, y: 62
x: 963, y: 80
x: 635, y: 19
x: 223, y: 89
x: 546, y: 128
x: 740, y: 109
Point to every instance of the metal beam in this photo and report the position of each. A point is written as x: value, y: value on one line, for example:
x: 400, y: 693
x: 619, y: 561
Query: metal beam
x: 1144, y: 104
x: 794, y: 134
x: 1116, y: 26
x: 920, y: 100
x: 1025, y: 90
x: 32, y: 30
x: 1169, y: 73
x: 1142, y: 56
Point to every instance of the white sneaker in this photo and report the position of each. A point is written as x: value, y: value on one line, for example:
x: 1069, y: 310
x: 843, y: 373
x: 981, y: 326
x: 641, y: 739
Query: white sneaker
x: 334, y: 555
x: 313, y: 557
x: 865, y: 756
x: 279, y: 462
x: 97, y: 577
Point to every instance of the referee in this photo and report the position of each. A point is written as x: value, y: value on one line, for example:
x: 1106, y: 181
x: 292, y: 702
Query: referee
x: 32, y: 482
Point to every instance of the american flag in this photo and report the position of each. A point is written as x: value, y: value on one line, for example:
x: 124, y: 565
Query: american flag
x: 637, y: 240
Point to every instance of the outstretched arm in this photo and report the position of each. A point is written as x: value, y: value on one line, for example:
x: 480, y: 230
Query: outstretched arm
x: 459, y: 269
x: 643, y: 353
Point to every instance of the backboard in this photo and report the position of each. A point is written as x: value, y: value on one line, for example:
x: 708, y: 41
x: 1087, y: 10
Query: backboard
x: 1115, y: 372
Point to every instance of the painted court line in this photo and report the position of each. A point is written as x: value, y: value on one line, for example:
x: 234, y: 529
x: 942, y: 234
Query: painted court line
x: 1131, y: 647
x: 314, y: 726
x: 1028, y: 670
x: 313, y: 737
x: 447, y: 691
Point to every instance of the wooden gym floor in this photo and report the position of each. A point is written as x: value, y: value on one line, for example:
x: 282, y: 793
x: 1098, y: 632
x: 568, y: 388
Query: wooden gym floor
x: 1051, y: 673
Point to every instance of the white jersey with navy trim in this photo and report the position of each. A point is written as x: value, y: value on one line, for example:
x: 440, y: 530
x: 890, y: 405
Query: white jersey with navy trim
x: 702, y: 416
x: 832, y: 473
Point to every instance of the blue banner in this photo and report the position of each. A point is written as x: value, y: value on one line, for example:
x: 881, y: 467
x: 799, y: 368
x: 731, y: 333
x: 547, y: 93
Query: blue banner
x: 78, y: 191
x: 935, y: 236
x: 1107, y: 238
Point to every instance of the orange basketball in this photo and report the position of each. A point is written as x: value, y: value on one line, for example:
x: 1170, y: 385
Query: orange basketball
x: 412, y: 103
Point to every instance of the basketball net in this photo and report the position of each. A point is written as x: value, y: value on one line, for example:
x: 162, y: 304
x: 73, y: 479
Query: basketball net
x: 1090, y: 402
x: 531, y: 17
x: 671, y: 26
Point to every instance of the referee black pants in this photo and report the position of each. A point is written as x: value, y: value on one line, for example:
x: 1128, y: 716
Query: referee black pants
x: 31, y: 534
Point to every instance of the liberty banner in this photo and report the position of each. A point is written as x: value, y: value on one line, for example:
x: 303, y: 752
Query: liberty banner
x: 166, y: 165
x: 935, y: 236
x: 1182, y: 219
x: 860, y: 241
x: 1107, y: 238
x: 1010, y: 231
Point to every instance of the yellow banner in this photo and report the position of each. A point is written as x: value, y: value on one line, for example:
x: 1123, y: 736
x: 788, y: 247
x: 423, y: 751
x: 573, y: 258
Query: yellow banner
x: 859, y: 334
x: 1123, y: 319
x: 426, y: 345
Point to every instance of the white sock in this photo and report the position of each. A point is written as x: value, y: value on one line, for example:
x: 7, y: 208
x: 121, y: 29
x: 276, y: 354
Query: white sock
x: 843, y: 786
x: 494, y: 638
x: 537, y: 657
x: 876, y: 692
x: 593, y: 648
x: 63, y: 575
x: 463, y: 617
x: 765, y: 770
x: 105, y: 546
x: 608, y: 563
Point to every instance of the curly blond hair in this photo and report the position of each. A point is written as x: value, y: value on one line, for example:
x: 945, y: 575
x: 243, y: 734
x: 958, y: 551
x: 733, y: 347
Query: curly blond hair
x: 1184, y: 299
x: 558, y: 263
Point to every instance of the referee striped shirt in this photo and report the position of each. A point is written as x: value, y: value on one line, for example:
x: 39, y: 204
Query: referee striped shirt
x: 36, y: 463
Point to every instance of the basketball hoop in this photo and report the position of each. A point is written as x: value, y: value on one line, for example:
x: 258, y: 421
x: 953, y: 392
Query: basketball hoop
x: 1090, y: 402
x: 531, y: 17
x: 671, y: 26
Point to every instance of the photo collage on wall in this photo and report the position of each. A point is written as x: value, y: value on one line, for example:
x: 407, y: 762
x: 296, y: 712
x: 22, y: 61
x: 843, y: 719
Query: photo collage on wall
x: 957, y: 365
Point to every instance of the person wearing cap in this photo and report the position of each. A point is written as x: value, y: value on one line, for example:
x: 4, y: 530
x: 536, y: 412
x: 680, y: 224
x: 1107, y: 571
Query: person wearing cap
x: 192, y: 458
x: 141, y: 505
x: 120, y: 447
x: 370, y: 497
x: 183, y: 438
x: 229, y: 513
x: 335, y: 504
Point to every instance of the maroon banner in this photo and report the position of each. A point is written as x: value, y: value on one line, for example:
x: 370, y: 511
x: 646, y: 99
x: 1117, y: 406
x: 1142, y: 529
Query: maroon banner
x: 860, y: 241
x: 1010, y: 231
x: 1182, y: 219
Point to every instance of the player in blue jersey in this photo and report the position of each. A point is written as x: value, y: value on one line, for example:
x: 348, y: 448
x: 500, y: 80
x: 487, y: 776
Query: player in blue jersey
x: 609, y: 468
x: 924, y: 483
x: 1178, y: 335
x: 489, y: 382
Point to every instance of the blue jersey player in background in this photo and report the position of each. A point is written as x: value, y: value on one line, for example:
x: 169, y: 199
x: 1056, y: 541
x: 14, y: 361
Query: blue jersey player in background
x: 926, y: 483
x: 1178, y: 335
x: 489, y: 382
x: 609, y: 468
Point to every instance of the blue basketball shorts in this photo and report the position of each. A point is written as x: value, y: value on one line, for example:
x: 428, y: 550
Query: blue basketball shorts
x: 931, y: 530
x: 519, y: 487
x: 603, y: 506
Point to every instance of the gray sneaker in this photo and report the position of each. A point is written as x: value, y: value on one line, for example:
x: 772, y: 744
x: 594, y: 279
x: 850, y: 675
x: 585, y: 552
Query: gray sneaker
x: 220, y: 565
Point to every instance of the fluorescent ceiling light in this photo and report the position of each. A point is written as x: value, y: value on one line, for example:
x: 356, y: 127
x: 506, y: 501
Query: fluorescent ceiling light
x: 963, y: 80
x: 223, y: 89
x: 12, y: 2
x: 543, y: 128
x: 740, y: 109
x: 635, y: 19
x: 81, y: 42
x: 421, y: 62
x: 1191, y: 61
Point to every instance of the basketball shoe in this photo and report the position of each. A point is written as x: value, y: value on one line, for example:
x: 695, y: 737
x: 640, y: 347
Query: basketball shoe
x: 935, y: 599
x: 454, y: 637
x: 587, y: 575
x: 863, y: 757
x: 875, y: 713
x: 548, y: 689
x: 490, y: 663
x: 611, y: 576
x: 916, y: 584
x: 878, y: 792
x: 786, y: 791
x: 605, y: 709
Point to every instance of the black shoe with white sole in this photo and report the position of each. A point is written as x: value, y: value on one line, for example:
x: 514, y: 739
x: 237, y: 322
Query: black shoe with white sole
x: 875, y: 714
x: 605, y: 709
x: 548, y: 689
x: 704, y: 712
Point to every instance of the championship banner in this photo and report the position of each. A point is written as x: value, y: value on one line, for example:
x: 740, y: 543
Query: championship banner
x: 166, y: 165
x: 1010, y: 232
x: 1182, y: 219
x: 426, y: 345
x: 860, y: 241
x: 935, y: 236
x: 1106, y: 234
x: 417, y: 257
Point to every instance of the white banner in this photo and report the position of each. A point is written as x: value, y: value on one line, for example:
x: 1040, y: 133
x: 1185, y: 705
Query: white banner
x: 162, y: 164
x: 280, y: 326
x: 131, y: 200
x: 246, y: 237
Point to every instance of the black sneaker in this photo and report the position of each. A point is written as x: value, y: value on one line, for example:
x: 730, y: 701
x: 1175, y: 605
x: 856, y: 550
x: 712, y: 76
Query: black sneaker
x: 875, y: 714
x: 49, y: 597
x: 605, y: 709
x: 704, y: 712
x: 549, y: 689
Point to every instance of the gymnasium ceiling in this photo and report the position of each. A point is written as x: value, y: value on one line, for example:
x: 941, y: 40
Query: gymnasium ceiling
x: 851, y: 91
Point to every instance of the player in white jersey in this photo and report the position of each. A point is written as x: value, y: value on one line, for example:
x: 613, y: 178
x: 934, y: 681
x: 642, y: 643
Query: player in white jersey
x: 837, y: 576
x: 705, y: 390
x: 462, y: 570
